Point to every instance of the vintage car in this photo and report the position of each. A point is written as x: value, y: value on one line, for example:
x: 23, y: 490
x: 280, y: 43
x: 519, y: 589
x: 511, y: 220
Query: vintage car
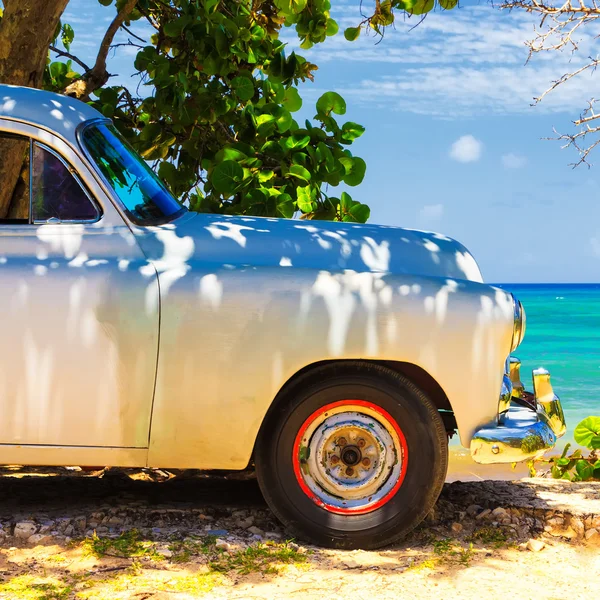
x: 335, y: 359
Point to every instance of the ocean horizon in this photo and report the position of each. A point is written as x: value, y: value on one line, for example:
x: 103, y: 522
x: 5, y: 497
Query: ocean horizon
x: 563, y: 335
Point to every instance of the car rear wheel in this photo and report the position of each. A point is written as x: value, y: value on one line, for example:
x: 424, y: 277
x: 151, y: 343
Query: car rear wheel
x: 352, y: 455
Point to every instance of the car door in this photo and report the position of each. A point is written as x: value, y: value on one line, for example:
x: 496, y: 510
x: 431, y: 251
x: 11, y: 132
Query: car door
x: 79, y: 312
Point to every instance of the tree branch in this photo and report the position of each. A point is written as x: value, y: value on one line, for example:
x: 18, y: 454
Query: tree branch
x: 556, y: 31
x: 60, y: 52
x: 97, y: 76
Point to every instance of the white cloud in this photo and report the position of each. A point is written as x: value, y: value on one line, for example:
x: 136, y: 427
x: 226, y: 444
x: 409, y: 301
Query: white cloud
x: 465, y: 62
x: 466, y: 149
x: 513, y: 161
x: 431, y: 213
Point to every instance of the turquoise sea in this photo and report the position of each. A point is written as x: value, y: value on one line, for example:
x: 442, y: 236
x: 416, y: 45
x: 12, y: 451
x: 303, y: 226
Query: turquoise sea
x: 563, y: 335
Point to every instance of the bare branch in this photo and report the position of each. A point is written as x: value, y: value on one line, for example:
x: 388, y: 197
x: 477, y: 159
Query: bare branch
x: 97, y: 76
x: 560, y: 24
x: 60, y: 52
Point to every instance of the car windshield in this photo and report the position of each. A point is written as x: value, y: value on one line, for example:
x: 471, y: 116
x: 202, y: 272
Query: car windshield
x: 145, y: 198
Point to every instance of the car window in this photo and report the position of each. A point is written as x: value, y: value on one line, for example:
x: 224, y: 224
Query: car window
x: 57, y: 194
x: 144, y: 197
x: 14, y: 179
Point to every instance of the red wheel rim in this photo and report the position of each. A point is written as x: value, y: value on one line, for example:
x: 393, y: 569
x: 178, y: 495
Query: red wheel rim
x: 357, y: 409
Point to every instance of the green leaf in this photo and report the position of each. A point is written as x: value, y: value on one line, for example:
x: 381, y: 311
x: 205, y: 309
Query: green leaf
x: 305, y: 199
x: 297, y: 141
x: 332, y: 27
x: 105, y: 2
x: 584, y: 470
x: 352, y: 211
x: 67, y: 35
x: 351, y: 131
x: 352, y: 33
x: 448, y: 4
x: 563, y: 462
x: 299, y: 172
x: 284, y: 206
x: 331, y: 102
x: 243, y: 87
x: 420, y: 7
x: 226, y: 176
x: 587, y: 430
x: 168, y: 173
x: 356, y: 173
x: 229, y: 153
x: 292, y: 100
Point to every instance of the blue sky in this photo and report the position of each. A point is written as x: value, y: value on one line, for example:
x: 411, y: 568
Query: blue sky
x: 452, y: 143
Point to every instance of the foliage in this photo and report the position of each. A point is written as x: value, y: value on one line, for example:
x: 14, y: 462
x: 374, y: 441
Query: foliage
x: 575, y: 466
x: 216, y: 118
x: 127, y: 545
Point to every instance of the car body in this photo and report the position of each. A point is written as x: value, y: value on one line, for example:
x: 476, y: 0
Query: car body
x: 166, y: 344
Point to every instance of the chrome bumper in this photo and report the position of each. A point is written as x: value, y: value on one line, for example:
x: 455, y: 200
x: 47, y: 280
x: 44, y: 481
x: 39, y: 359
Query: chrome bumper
x: 529, y: 424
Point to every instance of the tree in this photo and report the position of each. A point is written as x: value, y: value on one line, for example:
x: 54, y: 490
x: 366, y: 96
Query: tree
x: 217, y: 121
x: 560, y: 27
x: 26, y: 28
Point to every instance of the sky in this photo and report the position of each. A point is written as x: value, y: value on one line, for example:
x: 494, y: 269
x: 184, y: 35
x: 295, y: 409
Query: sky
x: 452, y: 142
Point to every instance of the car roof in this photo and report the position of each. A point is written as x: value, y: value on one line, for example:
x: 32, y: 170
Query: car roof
x: 48, y: 110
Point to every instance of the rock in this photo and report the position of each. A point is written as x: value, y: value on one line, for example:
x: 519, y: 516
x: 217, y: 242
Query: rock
x: 351, y: 564
x: 245, y: 523
x: 461, y: 515
x: 24, y: 530
x: 577, y: 526
x: 473, y: 509
x: 220, y: 543
x: 596, y: 523
x: 483, y: 514
x: 113, y: 521
x: 273, y: 535
x: 500, y: 514
x: 457, y: 527
x: 80, y: 523
x: 69, y: 530
x: 592, y: 535
x: 256, y: 531
x: 535, y: 545
x: 39, y: 539
x: 165, y: 552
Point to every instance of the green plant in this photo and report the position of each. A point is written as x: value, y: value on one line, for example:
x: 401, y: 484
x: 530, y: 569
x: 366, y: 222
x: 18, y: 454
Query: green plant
x: 215, y: 113
x: 127, y: 545
x: 575, y: 466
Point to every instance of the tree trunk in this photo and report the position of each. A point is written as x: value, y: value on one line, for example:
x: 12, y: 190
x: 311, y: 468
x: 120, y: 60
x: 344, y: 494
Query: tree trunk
x: 26, y: 29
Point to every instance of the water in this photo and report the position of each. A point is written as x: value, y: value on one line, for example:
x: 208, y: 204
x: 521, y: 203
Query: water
x: 563, y: 335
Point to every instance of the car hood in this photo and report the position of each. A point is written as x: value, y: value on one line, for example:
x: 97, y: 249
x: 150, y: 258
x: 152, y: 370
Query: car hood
x: 321, y: 245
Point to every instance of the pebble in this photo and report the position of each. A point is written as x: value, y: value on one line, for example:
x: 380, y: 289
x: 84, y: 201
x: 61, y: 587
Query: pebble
x: 483, y: 514
x: 217, y: 532
x: 255, y: 531
x: 38, y: 539
x: 24, y: 530
x: 219, y: 543
x: 592, y: 534
x: 457, y: 527
x: 535, y: 545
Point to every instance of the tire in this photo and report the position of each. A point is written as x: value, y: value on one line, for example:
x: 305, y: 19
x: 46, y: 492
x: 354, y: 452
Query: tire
x: 316, y: 482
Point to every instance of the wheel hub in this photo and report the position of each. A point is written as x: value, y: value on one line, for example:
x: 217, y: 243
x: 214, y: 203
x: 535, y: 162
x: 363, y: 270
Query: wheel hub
x: 351, y: 457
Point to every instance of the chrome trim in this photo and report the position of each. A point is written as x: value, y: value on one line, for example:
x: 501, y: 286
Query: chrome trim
x: 523, y: 433
x: 518, y: 389
x: 75, y: 176
x: 506, y: 394
x: 520, y: 324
